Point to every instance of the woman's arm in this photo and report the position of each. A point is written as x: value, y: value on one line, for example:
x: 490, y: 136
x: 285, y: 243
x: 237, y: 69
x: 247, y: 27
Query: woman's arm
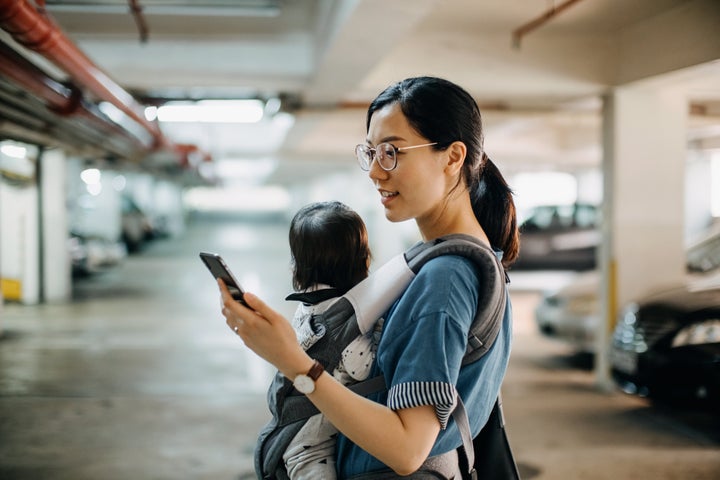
x: 400, y: 439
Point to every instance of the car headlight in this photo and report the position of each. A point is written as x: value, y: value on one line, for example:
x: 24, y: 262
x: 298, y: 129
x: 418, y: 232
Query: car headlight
x: 627, y: 335
x: 701, y: 333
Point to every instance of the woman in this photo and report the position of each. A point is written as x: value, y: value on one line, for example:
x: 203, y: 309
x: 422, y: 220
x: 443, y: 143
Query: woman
x: 423, y: 153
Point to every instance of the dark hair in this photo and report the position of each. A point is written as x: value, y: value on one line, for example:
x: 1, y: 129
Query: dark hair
x: 329, y: 244
x: 444, y: 112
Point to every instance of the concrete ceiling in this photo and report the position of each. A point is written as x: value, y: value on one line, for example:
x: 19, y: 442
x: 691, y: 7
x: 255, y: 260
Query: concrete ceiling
x: 327, y: 59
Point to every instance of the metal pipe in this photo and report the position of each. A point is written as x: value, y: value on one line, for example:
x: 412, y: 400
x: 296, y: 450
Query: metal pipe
x: 136, y: 10
x: 523, y: 30
x: 39, y: 33
x: 59, y: 99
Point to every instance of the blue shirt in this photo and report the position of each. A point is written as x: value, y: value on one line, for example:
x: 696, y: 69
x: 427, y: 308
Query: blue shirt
x: 420, y: 352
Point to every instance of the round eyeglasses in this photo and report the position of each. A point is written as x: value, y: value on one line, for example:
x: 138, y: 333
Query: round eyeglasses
x: 384, y: 153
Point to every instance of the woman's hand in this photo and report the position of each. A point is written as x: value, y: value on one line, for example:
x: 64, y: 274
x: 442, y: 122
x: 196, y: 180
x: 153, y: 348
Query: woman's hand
x: 265, y: 332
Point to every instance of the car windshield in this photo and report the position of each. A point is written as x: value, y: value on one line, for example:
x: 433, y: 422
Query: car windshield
x: 551, y: 217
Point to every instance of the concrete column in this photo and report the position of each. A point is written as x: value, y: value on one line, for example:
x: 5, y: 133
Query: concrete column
x: 644, y: 140
x: 29, y: 250
x: 56, y: 267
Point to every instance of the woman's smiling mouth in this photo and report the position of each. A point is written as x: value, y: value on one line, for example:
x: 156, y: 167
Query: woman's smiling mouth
x: 387, y: 196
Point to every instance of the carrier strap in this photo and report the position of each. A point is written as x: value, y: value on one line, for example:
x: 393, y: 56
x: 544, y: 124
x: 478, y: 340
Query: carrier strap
x: 298, y: 407
x: 372, y: 297
x: 316, y: 296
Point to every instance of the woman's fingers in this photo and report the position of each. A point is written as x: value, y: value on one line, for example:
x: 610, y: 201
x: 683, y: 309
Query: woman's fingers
x: 261, y: 308
x: 224, y: 292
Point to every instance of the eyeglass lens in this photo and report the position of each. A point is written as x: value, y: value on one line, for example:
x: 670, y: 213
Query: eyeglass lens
x: 384, y: 153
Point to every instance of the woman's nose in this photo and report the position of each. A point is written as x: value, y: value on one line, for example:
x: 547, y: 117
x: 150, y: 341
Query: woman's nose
x: 376, y: 172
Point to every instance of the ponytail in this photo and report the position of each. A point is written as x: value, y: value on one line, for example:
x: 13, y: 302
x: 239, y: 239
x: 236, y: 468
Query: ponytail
x: 493, y: 205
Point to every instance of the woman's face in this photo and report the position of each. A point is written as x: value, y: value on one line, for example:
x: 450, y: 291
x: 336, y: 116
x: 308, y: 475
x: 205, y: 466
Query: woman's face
x: 418, y: 186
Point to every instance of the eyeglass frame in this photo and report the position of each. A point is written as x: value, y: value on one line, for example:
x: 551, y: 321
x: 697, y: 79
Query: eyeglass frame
x: 395, y: 150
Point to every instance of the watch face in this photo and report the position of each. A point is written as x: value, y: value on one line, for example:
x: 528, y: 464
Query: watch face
x: 304, y: 384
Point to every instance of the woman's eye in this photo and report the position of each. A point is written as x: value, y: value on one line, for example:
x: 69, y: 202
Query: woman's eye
x: 387, y: 150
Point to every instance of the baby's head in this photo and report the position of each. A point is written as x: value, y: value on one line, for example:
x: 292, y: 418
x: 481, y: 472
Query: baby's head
x: 329, y: 245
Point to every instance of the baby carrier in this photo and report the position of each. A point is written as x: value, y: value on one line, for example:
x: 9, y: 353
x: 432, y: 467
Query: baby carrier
x: 356, y: 313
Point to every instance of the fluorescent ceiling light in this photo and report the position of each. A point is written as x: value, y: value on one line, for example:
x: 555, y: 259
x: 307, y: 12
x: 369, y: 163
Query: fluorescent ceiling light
x: 212, y: 111
x: 14, y: 151
x: 90, y: 176
x: 255, y: 200
x: 226, y: 8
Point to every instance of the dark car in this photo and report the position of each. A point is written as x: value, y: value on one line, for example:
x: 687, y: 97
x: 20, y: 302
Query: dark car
x: 667, y: 346
x: 559, y: 237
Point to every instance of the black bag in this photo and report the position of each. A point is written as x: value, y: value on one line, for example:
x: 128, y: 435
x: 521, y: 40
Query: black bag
x: 493, y: 457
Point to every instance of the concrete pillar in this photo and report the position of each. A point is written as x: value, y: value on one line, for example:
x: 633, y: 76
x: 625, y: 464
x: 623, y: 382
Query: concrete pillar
x: 56, y: 266
x: 28, y: 251
x: 644, y: 140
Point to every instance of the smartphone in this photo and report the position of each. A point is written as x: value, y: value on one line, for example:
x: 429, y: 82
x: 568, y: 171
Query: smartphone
x: 219, y: 269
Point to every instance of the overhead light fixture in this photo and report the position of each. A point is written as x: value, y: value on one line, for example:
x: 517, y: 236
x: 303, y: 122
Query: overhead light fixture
x: 14, y: 151
x: 212, y: 111
x: 225, y: 8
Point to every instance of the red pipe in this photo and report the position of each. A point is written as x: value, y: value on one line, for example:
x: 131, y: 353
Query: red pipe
x: 37, y: 32
x: 136, y: 10
x: 61, y: 99
x: 523, y: 30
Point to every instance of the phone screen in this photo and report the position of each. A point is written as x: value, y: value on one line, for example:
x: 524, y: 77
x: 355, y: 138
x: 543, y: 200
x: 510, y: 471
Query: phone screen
x: 219, y: 269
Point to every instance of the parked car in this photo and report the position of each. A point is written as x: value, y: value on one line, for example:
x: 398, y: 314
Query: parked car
x: 559, y: 237
x: 668, y: 345
x: 571, y: 313
x: 89, y: 255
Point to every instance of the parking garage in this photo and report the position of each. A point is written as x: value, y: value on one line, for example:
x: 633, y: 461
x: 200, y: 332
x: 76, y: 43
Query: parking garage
x: 114, y: 359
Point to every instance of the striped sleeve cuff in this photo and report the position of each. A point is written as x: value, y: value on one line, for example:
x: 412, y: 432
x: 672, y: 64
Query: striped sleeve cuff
x: 414, y: 394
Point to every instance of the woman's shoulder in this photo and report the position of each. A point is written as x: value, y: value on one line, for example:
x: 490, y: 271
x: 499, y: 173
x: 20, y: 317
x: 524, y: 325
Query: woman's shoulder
x: 449, y: 266
x: 447, y: 283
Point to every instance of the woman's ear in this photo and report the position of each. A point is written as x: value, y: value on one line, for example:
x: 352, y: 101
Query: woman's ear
x: 456, y: 157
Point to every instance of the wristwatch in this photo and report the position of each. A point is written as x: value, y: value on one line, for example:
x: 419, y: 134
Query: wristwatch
x: 305, y: 383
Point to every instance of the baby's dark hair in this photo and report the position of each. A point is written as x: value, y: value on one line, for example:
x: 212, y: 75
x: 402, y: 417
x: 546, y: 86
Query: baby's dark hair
x: 329, y: 245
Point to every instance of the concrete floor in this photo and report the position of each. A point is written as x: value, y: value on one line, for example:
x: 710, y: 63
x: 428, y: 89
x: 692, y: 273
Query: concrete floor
x: 139, y: 378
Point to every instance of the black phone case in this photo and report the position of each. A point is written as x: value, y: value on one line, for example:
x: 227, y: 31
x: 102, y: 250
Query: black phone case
x: 219, y: 269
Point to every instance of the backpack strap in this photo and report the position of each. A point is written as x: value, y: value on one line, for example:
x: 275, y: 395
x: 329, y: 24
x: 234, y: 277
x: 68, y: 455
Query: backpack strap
x: 491, y: 296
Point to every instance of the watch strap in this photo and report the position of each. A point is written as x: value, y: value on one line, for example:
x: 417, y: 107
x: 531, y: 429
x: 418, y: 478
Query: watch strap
x: 315, y: 371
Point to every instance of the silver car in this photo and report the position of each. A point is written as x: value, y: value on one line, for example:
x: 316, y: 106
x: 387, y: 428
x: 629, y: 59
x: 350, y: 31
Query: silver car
x: 571, y: 313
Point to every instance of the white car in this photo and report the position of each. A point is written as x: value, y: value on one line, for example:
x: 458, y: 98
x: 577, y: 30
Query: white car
x: 571, y: 313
